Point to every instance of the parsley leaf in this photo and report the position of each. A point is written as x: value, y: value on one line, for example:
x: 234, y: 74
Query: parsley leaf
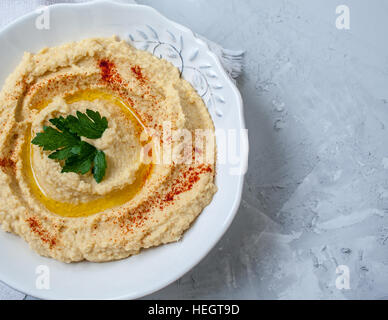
x: 89, y: 125
x: 78, y: 156
x: 52, y: 139
x: 82, y: 161
x: 63, y: 154
x: 60, y: 123
x: 99, y: 166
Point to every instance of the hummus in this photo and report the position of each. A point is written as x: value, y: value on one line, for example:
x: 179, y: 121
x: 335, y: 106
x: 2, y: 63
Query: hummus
x: 152, y: 190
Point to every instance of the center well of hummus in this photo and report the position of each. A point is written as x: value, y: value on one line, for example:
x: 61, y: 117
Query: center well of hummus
x: 73, y: 195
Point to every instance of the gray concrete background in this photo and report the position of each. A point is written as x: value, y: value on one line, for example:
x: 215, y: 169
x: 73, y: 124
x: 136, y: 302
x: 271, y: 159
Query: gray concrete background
x: 316, y: 192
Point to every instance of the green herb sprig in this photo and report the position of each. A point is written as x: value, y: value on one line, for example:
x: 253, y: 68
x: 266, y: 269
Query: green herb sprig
x: 65, y: 140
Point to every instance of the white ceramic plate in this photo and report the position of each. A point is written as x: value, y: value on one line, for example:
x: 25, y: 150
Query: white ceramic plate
x: 153, y: 268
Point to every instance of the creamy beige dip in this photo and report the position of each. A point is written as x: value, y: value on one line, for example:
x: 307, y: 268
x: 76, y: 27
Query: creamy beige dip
x: 138, y: 204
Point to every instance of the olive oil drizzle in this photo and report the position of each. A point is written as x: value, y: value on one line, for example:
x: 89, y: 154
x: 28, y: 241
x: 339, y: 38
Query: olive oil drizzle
x: 114, y: 198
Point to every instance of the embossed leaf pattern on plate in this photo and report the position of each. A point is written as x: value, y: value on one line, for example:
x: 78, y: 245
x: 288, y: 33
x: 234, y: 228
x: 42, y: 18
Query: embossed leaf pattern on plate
x: 170, y: 46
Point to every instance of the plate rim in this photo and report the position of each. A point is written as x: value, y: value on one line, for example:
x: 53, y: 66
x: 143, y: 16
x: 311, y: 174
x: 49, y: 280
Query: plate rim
x: 245, y: 152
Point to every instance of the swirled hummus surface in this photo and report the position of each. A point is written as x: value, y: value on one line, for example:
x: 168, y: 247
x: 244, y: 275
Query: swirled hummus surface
x: 147, y: 196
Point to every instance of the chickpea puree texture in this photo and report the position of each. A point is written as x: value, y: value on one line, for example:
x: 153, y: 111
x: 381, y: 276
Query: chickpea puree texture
x: 68, y: 216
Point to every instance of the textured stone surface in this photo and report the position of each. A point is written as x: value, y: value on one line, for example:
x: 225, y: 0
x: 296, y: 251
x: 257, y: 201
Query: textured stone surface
x: 316, y: 193
x: 316, y: 190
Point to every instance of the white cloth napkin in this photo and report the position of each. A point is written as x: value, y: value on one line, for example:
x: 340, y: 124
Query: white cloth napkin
x: 231, y: 60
